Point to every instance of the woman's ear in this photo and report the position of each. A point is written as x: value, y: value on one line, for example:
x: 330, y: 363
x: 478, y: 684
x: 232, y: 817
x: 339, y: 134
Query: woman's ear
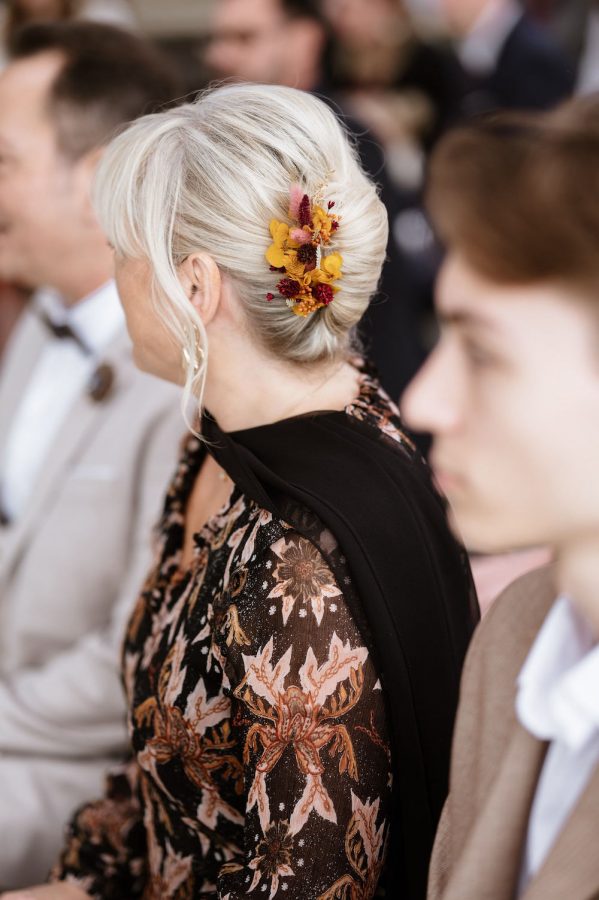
x: 201, y: 281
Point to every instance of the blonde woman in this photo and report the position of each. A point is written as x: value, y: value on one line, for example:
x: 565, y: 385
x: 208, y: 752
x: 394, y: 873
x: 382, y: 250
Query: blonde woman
x: 292, y: 664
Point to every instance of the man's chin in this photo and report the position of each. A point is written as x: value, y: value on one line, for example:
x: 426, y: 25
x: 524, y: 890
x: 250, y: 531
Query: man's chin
x: 476, y: 535
x: 12, y: 273
x: 482, y: 542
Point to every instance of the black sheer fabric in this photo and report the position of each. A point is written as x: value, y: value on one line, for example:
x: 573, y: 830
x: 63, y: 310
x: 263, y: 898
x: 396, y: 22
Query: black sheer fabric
x: 412, y: 596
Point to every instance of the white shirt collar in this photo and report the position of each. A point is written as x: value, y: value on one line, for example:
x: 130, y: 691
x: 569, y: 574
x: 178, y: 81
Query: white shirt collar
x: 97, y: 318
x: 558, y: 686
x: 480, y: 50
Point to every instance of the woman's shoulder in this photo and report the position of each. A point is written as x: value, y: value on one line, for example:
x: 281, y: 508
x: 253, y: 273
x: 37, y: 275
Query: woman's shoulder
x: 374, y: 407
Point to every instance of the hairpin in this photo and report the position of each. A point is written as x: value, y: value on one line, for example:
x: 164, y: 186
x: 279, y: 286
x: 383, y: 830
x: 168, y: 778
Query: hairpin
x: 297, y: 253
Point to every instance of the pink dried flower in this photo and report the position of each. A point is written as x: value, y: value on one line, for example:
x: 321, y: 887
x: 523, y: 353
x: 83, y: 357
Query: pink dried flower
x: 300, y: 236
x: 295, y: 198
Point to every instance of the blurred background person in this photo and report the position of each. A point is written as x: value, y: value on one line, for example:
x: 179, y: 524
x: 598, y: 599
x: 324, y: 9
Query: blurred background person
x: 509, y: 60
x: 408, y: 91
x: 15, y: 14
x: 87, y: 443
x: 268, y: 42
x: 565, y: 20
x: 379, y: 58
x: 588, y: 72
x: 286, y: 42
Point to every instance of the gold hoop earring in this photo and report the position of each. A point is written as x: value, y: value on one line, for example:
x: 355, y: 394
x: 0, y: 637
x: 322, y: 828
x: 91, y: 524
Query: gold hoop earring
x: 186, y: 360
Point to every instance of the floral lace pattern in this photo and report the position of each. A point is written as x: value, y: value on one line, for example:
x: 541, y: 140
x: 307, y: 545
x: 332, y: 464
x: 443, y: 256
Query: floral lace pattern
x: 261, y: 762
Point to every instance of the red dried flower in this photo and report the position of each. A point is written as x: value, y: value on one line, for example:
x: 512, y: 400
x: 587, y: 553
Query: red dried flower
x: 334, y: 225
x: 330, y: 204
x: 305, y: 212
x: 324, y: 293
x: 270, y: 296
x: 288, y: 287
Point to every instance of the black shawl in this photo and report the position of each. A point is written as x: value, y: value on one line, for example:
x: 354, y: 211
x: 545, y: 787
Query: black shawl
x: 413, y: 596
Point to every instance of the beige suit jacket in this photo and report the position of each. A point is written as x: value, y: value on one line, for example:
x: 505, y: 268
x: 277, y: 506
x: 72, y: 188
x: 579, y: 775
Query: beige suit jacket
x: 70, y: 570
x: 495, y: 770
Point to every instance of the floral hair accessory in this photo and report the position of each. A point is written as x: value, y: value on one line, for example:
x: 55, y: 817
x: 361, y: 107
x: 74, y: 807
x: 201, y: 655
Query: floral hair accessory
x: 297, y: 253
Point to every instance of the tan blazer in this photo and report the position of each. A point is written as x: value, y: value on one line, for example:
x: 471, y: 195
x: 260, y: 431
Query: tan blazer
x: 70, y: 570
x: 495, y: 769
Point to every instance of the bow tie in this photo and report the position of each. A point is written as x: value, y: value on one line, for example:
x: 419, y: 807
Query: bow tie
x: 102, y: 378
x: 63, y: 332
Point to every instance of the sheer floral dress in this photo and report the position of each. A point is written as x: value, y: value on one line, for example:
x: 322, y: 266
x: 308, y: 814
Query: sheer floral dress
x: 261, y: 762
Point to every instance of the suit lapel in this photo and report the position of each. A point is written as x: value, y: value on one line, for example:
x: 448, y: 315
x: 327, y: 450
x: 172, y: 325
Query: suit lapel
x: 25, y: 347
x: 571, y: 868
x: 489, y: 865
x: 79, y: 427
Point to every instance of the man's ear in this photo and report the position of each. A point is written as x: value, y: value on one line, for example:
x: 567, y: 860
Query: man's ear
x: 85, y: 171
x: 201, y: 280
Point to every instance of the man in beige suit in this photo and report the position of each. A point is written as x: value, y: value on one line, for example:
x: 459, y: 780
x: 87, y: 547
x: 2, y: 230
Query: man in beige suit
x: 87, y: 442
x: 511, y: 394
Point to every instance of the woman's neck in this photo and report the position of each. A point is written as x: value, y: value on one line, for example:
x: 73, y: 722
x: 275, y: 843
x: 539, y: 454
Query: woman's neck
x: 247, y: 396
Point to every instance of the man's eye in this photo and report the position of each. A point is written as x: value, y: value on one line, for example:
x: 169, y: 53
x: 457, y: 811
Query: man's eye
x: 478, y: 355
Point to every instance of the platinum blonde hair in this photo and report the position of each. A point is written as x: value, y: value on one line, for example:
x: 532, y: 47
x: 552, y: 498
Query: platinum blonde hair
x: 209, y: 176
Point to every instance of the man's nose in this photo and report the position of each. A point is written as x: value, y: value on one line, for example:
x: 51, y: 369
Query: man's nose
x: 430, y: 402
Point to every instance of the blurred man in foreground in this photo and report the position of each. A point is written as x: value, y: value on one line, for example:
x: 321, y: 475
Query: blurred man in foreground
x: 86, y: 441
x: 511, y: 395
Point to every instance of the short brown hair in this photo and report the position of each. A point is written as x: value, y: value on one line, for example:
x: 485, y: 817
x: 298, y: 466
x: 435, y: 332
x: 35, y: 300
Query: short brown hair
x: 110, y: 77
x: 517, y: 195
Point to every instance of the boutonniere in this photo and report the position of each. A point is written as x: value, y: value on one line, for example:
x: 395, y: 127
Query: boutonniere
x: 101, y: 383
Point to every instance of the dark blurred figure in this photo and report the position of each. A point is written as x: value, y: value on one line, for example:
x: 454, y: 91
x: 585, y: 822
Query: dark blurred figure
x: 566, y: 21
x: 381, y: 51
x: 285, y: 42
x: 588, y: 70
x: 510, y: 61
